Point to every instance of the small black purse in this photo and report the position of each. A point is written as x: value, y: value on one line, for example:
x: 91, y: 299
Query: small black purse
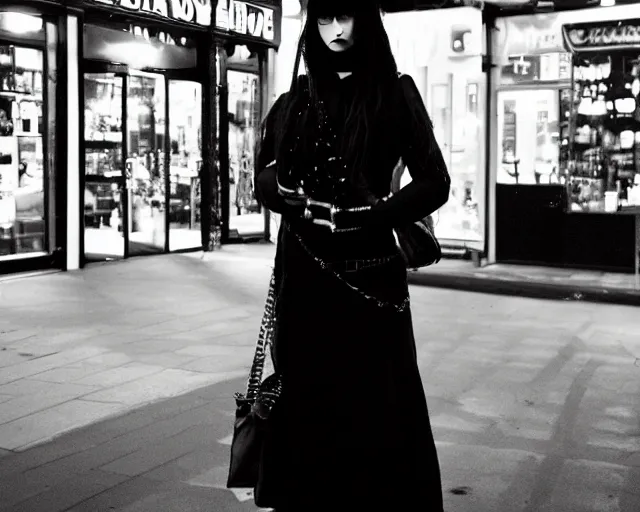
x: 417, y: 241
x: 253, y: 409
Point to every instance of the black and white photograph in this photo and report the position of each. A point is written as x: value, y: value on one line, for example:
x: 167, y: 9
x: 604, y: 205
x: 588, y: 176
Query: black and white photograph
x: 320, y: 255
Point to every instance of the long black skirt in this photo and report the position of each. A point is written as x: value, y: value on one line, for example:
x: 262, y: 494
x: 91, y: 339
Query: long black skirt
x: 351, y: 430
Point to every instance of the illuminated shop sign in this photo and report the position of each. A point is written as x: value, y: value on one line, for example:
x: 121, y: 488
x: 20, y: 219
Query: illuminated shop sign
x: 599, y: 36
x: 190, y: 11
x: 246, y: 19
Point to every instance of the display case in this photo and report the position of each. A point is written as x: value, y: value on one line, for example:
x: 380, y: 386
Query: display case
x: 605, y: 143
x: 22, y: 172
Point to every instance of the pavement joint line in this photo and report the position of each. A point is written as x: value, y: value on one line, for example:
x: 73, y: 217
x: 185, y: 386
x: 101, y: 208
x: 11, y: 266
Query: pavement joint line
x: 155, y: 468
x: 105, y: 388
x: 57, y: 404
x: 120, y: 415
x: 46, y: 489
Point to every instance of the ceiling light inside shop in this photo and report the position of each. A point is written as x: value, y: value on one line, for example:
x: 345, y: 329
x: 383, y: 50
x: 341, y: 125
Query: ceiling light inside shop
x: 607, y: 3
x: 290, y: 8
x: 139, y: 55
x: 20, y: 23
x: 625, y: 105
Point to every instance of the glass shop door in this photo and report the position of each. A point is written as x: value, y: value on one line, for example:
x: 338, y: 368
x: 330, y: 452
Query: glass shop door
x: 246, y: 217
x: 124, y: 178
x: 105, y: 191
x: 185, y: 164
x: 145, y: 162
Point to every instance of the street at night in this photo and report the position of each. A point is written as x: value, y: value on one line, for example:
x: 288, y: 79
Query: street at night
x: 379, y: 201
x: 535, y: 404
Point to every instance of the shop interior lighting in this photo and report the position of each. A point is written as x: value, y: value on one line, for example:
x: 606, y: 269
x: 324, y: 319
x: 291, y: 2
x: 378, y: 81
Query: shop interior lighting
x: 627, y: 138
x: 291, y: 8
x: 599, y: 107
x: 625, y: 105
x: 144, y: 53
x: 585, y: 106
x: 607, y: 3
x: 20, y: 23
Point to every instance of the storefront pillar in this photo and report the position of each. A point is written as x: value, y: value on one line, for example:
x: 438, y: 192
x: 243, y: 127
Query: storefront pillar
x: 73, y: 199
x: 492, y: 73
x: 211, y: 220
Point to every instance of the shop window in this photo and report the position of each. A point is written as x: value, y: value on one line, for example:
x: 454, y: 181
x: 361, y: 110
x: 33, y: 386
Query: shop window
x: 22, y: 170
x: 605, y: 145
x: 530, y: 129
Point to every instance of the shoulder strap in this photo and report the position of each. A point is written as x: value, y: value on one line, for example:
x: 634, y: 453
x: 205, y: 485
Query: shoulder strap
x: 265, y: 338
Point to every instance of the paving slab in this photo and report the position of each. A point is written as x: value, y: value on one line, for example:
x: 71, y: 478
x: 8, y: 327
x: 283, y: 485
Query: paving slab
x: 167, y: 383
x: 42, y: 425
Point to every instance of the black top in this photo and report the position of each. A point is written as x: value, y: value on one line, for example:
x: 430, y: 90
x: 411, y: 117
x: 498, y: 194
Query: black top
x: 405, y: 131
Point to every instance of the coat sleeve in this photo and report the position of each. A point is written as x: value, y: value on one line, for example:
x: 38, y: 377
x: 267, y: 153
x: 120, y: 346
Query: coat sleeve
x: 429, y: 188
x: 266, y: 184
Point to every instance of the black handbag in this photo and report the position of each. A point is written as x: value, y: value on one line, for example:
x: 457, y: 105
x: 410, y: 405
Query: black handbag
x: 417, y: 241
x: 253, y: 409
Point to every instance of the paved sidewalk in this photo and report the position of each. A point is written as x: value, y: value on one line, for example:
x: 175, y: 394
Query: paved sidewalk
x: 80, y: 346
x: 535, y: 404
x: 532, y: 281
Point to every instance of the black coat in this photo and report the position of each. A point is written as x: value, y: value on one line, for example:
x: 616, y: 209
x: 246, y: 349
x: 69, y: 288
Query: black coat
x: 351, y: 430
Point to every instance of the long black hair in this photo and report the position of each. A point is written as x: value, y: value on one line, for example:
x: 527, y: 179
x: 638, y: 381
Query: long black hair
x: 296, y: 121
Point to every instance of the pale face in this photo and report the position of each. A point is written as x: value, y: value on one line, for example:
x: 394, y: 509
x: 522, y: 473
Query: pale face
x: 336, y: 32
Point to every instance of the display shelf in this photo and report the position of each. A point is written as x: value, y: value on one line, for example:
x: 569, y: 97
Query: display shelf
x: 102, y: 144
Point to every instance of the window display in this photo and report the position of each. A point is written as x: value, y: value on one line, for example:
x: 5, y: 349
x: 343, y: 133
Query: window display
x: 22, y: 173
x: 529, y: 136
x: 605, y: 146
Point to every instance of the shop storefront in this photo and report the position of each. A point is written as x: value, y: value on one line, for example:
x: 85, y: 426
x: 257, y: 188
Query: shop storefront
x: 31, y: 180
x: 442, y: 50
x: 248, y: 34
x: 142, y: 146
x: 565, y: 169
x: 147, y: 184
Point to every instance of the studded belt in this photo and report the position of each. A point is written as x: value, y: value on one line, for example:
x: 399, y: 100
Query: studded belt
x: 356, y: 265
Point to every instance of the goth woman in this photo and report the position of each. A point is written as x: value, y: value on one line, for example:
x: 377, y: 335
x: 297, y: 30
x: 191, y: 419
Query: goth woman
x: 351, y: 430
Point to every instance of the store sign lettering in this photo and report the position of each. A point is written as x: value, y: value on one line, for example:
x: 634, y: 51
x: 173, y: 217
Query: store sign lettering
x: 246, y: 19
x: 190, y: 11
x: 599, y: 36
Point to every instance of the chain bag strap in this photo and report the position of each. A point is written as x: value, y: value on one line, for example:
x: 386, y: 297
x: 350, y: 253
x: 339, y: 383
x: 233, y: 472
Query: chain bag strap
x: 327, y: 268
x: 254, y: 406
